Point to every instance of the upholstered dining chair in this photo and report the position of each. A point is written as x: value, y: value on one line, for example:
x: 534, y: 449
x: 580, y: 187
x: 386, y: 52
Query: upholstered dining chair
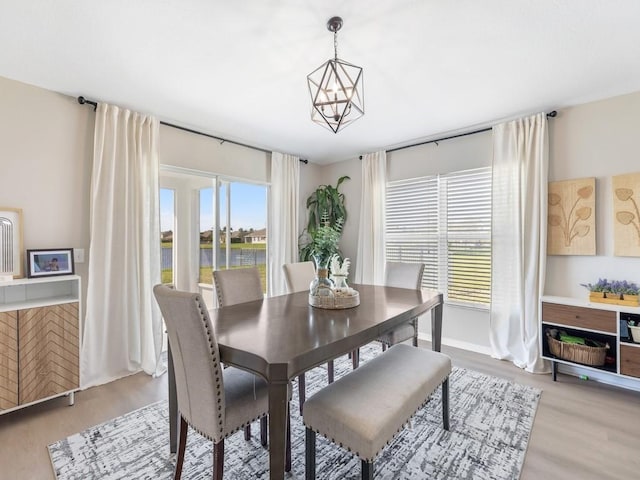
x: 237, y: 285
x: 240, y: 285
x: 298, y: 277
x: 402, y: 275
x: 214, y: 401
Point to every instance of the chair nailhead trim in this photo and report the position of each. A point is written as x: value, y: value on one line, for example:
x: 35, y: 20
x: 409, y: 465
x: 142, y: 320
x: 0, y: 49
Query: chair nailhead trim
x: 229, y: 433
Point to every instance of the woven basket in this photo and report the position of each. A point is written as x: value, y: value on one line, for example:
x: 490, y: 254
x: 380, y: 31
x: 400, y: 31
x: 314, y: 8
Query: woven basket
x: 584, y: 354
x: 336, y: 302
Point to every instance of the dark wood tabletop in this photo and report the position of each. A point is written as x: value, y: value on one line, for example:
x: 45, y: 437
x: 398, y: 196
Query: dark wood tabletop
x: 281, y: 337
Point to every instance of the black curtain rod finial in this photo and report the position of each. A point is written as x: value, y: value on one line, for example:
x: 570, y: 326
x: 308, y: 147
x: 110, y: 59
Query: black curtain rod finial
x: 83, y: 101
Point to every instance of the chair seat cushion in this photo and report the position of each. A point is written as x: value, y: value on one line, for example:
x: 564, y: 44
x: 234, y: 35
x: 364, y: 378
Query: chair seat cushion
x: 401, y: 334
x: 363, y: 410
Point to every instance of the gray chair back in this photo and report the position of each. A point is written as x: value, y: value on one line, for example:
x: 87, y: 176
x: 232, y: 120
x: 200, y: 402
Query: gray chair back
x: 298, y: 276
x: 238, y: 285
x: 404, y: 275
x: 198, y: 373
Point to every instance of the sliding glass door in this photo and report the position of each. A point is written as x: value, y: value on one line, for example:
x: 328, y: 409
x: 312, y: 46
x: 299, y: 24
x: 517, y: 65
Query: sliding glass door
x: 218, y: 223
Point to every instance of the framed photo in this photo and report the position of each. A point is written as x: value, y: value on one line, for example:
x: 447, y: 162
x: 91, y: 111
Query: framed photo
x: 47, y: 263
x: 11, y: 252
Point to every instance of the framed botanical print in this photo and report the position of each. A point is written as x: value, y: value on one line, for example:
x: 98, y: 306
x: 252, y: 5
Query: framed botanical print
x: 626, y: 215
x: 571, y: 228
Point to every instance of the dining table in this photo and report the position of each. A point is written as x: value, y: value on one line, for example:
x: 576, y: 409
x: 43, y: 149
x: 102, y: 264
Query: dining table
x: 281, y: 337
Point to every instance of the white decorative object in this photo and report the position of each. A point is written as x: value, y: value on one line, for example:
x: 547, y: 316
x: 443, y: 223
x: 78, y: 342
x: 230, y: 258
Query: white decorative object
x: 11, y: 242
x: 340, y: 272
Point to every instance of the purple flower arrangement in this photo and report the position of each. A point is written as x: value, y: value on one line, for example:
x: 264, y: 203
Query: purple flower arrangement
x: 616, y: 287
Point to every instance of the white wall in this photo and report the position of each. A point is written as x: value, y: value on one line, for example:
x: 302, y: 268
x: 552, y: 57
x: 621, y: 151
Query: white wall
x: 46, y: 150
x: 598, y: 139
x: 46, y: 146
x: 46, y: 143
x: 197, y: 152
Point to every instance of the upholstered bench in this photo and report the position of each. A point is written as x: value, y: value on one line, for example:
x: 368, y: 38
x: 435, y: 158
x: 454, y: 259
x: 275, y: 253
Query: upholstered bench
x: 366, y: 408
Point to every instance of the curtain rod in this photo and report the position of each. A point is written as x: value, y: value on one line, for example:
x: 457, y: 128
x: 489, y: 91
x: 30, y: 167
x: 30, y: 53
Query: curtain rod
x: 551, y: 114
x: 84, y: 101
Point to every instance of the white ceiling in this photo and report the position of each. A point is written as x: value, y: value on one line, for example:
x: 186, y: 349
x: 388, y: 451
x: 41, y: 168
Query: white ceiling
x: 237, y: 69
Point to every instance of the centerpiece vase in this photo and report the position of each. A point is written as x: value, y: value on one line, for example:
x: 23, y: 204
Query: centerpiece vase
x: 321, y: 285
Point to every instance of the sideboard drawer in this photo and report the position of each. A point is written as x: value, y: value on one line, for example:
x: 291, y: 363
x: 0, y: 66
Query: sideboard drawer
x: 580, y: 317
x: 630, y: 360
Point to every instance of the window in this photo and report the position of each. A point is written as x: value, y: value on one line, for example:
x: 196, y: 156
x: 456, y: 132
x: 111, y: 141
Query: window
x: 242, y: 225
x: 444, y: 221
x: 167, y: 227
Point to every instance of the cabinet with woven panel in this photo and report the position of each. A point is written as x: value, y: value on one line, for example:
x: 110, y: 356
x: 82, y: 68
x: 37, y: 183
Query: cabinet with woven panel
x: 39, y: 340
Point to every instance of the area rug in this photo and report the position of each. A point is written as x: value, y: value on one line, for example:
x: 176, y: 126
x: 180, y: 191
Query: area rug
x: 491, y: 419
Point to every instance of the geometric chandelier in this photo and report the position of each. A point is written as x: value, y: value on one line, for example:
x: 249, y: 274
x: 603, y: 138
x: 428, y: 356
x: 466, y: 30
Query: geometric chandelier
x: 336, y: 88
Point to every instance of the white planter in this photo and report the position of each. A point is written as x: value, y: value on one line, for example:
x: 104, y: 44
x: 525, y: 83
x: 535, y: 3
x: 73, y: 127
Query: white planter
x: 635, y: 333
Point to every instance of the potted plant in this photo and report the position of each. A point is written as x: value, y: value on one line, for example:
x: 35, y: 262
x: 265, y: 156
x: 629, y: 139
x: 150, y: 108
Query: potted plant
x: 325, y: 242
x: 619, y: 292
x: 325, y: 207
x: 322, y: 248
x: 631, y: 292
x: 598, y: 289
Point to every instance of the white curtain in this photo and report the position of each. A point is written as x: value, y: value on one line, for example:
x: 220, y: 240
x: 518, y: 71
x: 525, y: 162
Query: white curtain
x: 283, y: 219
x: 519, y: 236
x: 371, y: 245
x: 123, y: 326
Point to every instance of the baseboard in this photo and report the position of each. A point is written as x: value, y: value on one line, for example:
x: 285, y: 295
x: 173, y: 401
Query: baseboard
x: 452, y: 342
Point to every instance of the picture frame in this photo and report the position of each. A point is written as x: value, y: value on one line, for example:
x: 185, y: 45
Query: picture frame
x: 11, y: 249
x: 50, y: 262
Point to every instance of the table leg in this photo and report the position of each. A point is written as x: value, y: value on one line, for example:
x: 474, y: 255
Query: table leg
x: 173, y: 404
x: 436, y: 328
x: 278, y: 403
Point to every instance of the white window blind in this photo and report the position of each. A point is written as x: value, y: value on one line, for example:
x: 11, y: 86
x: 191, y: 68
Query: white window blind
x: 444, y: 221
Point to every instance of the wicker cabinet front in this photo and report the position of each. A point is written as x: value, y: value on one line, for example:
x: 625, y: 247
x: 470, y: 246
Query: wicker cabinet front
x: 8, y: 359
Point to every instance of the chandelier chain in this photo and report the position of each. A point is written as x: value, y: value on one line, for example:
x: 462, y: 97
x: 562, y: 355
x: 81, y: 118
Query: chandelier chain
x: 335, y: 45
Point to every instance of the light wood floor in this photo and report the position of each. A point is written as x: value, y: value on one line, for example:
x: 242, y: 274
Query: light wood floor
x: 583, y: 430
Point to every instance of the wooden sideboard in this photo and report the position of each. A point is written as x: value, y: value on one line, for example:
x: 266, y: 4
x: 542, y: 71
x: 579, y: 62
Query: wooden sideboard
x: 598, y: 321
x: 39, y: 340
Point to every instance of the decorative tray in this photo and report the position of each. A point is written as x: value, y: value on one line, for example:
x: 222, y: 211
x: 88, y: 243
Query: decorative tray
x: 339, y: 301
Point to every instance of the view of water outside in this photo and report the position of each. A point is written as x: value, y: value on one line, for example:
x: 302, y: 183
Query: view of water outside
x: 247, y: 224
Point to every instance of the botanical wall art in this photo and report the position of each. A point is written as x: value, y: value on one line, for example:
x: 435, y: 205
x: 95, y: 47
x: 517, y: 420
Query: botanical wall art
x: 626, y: 215
x: 572, y: 217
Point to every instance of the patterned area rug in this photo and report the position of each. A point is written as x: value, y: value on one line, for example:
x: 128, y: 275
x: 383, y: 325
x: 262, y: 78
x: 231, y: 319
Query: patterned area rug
x: 491, y: 419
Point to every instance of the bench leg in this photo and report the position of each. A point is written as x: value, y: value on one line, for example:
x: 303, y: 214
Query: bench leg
x: 367, y: 470
x: 310, y: 455
x: 330, y: 371
x: 264, y: 429
x: 445, y: 403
